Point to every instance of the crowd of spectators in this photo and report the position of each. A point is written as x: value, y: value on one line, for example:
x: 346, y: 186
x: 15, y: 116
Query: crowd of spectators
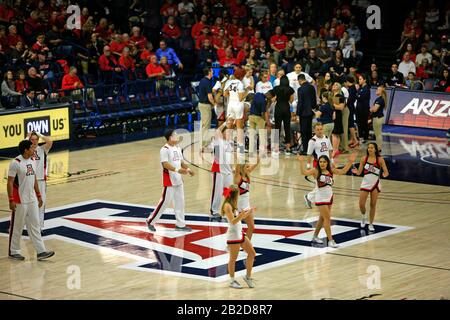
x: 423, y: 57
x: 38, y: 47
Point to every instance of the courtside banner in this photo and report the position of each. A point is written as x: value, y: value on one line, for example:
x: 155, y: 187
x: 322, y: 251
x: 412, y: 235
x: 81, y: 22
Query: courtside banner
x: 53, y: 122
x: 420, y: 109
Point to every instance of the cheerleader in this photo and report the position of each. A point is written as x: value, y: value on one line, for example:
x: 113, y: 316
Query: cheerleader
x: 221, y: 168
x: 372, y: 165
x: 242, y: 180
x: 317, y: 146
x: 324, y: 193
x: 236, y: 238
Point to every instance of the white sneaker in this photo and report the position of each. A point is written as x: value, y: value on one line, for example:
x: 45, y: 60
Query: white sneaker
x: 317, y: 240
x: 234, y: 284
x: 371, y: 228
x: 307, y: 202
x: 363, y: 221
x: 333, y: 244
x: 249, y: 282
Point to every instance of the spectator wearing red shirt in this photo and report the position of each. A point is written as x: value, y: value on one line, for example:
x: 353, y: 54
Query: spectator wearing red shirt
x: 205, y: 35
x: 102, y: 30
x: 228, y: 59
x: 32, y: 24
x: 147, y: 53
x: 169, y: 9
x: 108, y: 62
x: 254, y: 40
x: 40, y: 44
x: 153, y: 69
x: 71, y: 81
x: 137, y: 39
x: 218, y: 24
x: 127, y: 62
x: 243, y: 53
x: 21, y: 82
x: 117, y: 44
x: 424, y: 70
x: 6, y: 13
x: 221, y: 52
x: 198, y: 27
x: 238, y: 10
x: 250, y: 30
x: 218, y: 39
x: 278, y: 43
x: 170, y: 30
x: 13, y: 37
x: 4, y: 47
x: 232, y: 29
x: 239, y: 39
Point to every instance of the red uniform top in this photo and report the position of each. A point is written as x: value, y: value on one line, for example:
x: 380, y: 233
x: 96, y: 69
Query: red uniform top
x: 68, y: 82
x: 279, y: 41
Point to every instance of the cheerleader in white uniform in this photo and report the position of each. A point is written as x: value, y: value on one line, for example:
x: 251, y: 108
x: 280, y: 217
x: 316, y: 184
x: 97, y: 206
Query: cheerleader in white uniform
x: 324, y: 176
x: 236, y: 238
x: 242, y: 180
x: 372, y: 166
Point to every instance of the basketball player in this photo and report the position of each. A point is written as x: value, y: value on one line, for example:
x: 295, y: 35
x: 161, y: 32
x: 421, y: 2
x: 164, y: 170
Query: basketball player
x: 319, y: 145
x: 221, y: 169
x: 236, y: 93
x: 236, y: 238
x: 173, y: 167
x: 242, y: 180
x: 40, y: 156
x: 372, y: 165
x: 324, y: 193
x: 219, y: 107
x: 24, y: 202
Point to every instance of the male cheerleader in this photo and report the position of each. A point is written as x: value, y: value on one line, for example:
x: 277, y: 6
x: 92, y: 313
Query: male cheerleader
x: 24, y: 202
x: 173, y: 166
x: 40, y: 157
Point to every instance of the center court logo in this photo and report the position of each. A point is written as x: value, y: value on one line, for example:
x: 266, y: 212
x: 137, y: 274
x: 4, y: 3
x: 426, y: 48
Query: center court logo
x: 121, y: 229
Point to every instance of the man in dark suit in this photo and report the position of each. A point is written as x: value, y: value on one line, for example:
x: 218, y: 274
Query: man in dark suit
x: 307, y: 101
x: 29, y: 100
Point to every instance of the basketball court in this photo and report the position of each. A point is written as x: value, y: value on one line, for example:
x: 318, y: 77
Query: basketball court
x: 98, y: 199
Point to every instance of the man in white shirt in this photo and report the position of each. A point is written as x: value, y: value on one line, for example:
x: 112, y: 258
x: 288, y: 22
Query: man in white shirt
x: 406, y: 66
x: 424, y: 54
x: 40, y: 157
x: 293, y: 82
x: 24, y: 202
x: 173, y: 166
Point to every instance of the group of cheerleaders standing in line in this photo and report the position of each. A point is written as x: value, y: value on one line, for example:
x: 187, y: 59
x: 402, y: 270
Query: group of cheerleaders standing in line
x: 231, y: 189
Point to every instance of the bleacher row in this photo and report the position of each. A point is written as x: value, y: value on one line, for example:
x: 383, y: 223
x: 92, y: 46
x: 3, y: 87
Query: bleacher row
x: 133, y: 99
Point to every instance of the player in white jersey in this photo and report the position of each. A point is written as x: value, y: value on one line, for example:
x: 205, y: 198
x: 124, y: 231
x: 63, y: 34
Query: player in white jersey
x: 221, y: 101
x: 318, y: 146
x: 221, y: 169
x: 173, y: 166
x: 24, y: 202
x: 236, y: 93
x: 40, y: 156
x: 236, y: 238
